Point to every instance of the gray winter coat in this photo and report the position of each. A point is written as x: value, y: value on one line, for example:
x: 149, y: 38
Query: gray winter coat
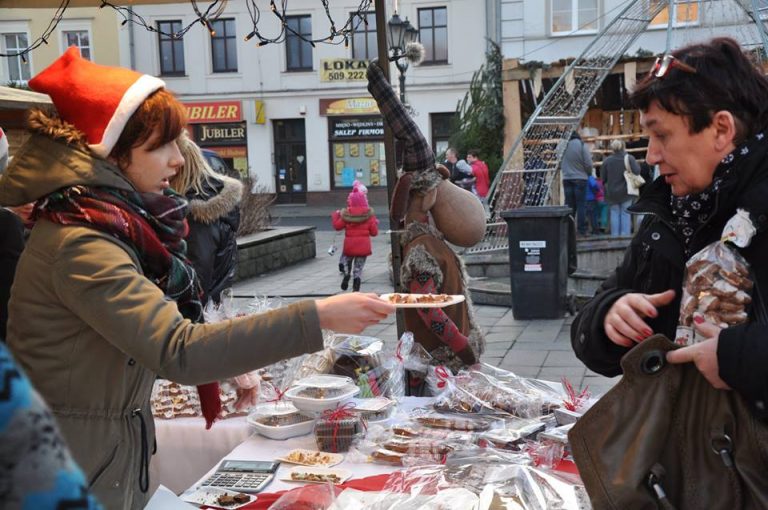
x: 612, y: 172
x: 577, y: 161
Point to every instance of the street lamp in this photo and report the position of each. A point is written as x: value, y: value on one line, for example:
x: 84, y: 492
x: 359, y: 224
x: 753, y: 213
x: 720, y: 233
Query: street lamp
x: 400, y: 34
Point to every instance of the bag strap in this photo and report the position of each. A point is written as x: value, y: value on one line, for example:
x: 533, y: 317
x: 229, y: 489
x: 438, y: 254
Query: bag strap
x: 626, y: 163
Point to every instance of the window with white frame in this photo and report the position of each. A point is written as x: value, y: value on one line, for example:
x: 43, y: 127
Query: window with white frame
x: 569, y: 16
x: 684, y: 12
x: 17, y: 69
x: 79, y: 38
x: 298, y: 52
x: 364, y: 44
x: 433, y: 34
x: 171, y: 48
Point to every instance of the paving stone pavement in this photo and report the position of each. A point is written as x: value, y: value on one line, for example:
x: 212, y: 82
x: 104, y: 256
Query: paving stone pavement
x: 533, y: 348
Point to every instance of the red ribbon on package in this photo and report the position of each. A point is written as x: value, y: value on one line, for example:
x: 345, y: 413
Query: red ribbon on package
x: 442, y: 376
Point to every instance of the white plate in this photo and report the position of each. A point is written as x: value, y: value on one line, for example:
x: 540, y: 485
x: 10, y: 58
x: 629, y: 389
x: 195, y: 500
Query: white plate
x: 332, y: 458
x: 317, y: 405
x: 343, y: 474
x: 280, y: 432
x: 454, y: 299
x: 208, y: 496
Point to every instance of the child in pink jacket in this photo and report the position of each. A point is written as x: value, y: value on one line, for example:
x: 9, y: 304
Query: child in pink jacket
x: 359, y: 224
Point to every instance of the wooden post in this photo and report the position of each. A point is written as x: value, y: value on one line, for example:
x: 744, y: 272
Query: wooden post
x: 389, y: 156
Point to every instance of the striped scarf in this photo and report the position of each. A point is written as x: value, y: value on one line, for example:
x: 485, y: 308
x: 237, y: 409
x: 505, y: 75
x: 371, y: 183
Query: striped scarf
x: 154, y: 226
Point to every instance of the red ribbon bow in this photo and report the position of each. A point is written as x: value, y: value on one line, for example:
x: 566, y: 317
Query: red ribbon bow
x: 442, y: 376
x: 335, y: 416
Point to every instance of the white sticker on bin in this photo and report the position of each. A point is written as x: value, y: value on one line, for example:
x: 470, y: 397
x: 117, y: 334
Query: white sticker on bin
x: 533, y: 244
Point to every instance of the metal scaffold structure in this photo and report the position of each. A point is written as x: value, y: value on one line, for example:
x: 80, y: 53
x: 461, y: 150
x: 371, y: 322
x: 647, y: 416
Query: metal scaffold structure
x: 529, y: 175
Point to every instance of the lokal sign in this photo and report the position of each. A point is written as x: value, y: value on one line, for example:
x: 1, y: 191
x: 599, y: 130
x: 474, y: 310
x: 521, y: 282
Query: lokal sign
x: 218, y: 111
x: 342, y: 69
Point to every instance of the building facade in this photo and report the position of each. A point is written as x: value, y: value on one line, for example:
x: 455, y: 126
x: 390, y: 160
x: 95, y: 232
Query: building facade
x: 549, y: 30
x: 297, y: 117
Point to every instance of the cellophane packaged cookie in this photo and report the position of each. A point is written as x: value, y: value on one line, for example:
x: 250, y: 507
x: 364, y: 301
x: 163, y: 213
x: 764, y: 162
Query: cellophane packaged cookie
x: 717, y: 284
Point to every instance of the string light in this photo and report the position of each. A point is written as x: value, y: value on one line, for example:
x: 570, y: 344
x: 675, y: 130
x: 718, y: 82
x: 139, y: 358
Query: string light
x: 214, y: 9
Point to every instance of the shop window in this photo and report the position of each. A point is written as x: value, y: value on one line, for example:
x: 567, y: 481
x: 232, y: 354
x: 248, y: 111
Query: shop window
x: 79, y: 38
x: 685, y: 12
x: 433, y: 34
x: 569, y: 16
x: 357, y: 151
x: 442, y: 126
x: 298, y: 51
x: 171, y: 49
x: 18, y: 70
x: 364, y: 43
x: 224, y: 46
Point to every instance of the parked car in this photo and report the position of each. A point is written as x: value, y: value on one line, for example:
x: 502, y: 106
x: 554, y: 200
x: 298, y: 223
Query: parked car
x: 219, y: 165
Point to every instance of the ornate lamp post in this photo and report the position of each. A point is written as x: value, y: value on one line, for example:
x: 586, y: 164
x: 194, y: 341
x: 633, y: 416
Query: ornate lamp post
x: 400, y: 34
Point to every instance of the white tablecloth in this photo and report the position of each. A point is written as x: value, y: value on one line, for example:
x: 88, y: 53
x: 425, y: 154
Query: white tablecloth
x: 186, y: 451
x: 258, y: 447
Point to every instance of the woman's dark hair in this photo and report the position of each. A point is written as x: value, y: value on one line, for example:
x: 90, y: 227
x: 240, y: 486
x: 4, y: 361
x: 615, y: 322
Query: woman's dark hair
x: 160, y: 111
x: 725, y: 79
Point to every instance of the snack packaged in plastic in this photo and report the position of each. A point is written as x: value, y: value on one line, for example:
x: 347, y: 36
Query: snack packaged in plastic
x: 309, y: 497
x: 717, y: 285
x: 336, y: 429
x: 362, y: 359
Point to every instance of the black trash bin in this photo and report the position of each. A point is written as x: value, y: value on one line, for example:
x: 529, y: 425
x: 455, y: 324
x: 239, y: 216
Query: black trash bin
x: 540, y: 244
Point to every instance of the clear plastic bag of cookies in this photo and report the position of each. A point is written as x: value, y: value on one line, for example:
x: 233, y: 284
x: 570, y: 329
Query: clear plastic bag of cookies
x: 716, y: 287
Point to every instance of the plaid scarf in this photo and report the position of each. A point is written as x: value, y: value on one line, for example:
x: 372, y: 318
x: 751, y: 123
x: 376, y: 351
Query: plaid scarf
x: 155, y: 227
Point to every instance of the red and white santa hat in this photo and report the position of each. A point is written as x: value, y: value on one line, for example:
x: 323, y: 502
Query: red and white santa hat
x: 97, y: 99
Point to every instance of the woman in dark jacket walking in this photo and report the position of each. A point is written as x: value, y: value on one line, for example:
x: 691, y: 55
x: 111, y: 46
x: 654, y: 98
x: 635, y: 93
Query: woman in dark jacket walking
x: 214, y: 217
x: 615, y: 183
x: 707, y: 118
x: 359, y: 224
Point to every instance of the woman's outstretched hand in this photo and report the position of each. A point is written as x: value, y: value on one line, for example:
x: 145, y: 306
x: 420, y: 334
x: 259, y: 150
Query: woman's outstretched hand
x: 352, y: 313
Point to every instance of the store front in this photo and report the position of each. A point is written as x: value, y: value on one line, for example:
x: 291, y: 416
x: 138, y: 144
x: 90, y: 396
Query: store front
x: 356, y: 142
x: 219, y: 126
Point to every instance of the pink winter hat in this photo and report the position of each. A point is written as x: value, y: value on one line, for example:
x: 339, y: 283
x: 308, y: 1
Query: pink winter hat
x: 357, y: 199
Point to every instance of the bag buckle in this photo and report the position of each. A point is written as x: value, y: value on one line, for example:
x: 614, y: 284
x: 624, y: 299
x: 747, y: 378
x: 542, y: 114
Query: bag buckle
x: 723, y: 446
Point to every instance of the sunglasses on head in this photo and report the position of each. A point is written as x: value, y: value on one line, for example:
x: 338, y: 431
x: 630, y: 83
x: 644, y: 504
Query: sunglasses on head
x: 663, y: 64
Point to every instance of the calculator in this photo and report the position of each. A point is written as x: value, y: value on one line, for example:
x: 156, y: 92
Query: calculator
x: 242, y: 475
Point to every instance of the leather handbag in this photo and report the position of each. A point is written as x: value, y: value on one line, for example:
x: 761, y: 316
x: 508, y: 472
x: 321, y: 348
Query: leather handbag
x: 664, y: 438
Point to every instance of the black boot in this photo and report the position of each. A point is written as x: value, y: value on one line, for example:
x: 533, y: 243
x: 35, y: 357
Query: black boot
x: 356, y: 285
x: 341, y: 268
x: 345, y: 282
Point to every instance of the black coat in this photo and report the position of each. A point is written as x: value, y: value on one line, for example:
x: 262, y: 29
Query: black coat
x: 214, y: 218
x: 11, y: 245
x: 655, y: 261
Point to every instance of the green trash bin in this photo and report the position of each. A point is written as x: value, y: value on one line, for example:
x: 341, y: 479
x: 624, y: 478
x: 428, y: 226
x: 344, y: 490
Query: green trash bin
x: 541, y: 255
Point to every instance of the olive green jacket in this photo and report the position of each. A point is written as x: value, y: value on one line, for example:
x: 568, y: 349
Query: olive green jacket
x: 93, y: 333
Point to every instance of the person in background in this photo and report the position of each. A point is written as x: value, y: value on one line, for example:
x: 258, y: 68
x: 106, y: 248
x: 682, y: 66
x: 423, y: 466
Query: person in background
x: 103, y: 300
x: 480, y: 173
x: 704, y: 110
x: 214, y: 217
x: 359, y: 224
x: 460, y: 170
x: 616, y: 195
x: 595, y: 197
x: 576, y: 167
x: 11, y: 244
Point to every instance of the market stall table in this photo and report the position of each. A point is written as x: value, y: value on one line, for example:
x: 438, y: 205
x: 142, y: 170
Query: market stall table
x: 186, y: 451
x: 258, y: 447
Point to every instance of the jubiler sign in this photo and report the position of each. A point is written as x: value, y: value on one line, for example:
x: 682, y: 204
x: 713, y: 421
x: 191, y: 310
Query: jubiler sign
x: 342, y: 69
x: 220, y: 134
x: 218, y: 111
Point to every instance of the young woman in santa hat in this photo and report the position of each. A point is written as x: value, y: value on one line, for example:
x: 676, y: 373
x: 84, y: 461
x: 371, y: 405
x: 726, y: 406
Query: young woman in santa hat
x: 104, y: 300
x: 359, y: 224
